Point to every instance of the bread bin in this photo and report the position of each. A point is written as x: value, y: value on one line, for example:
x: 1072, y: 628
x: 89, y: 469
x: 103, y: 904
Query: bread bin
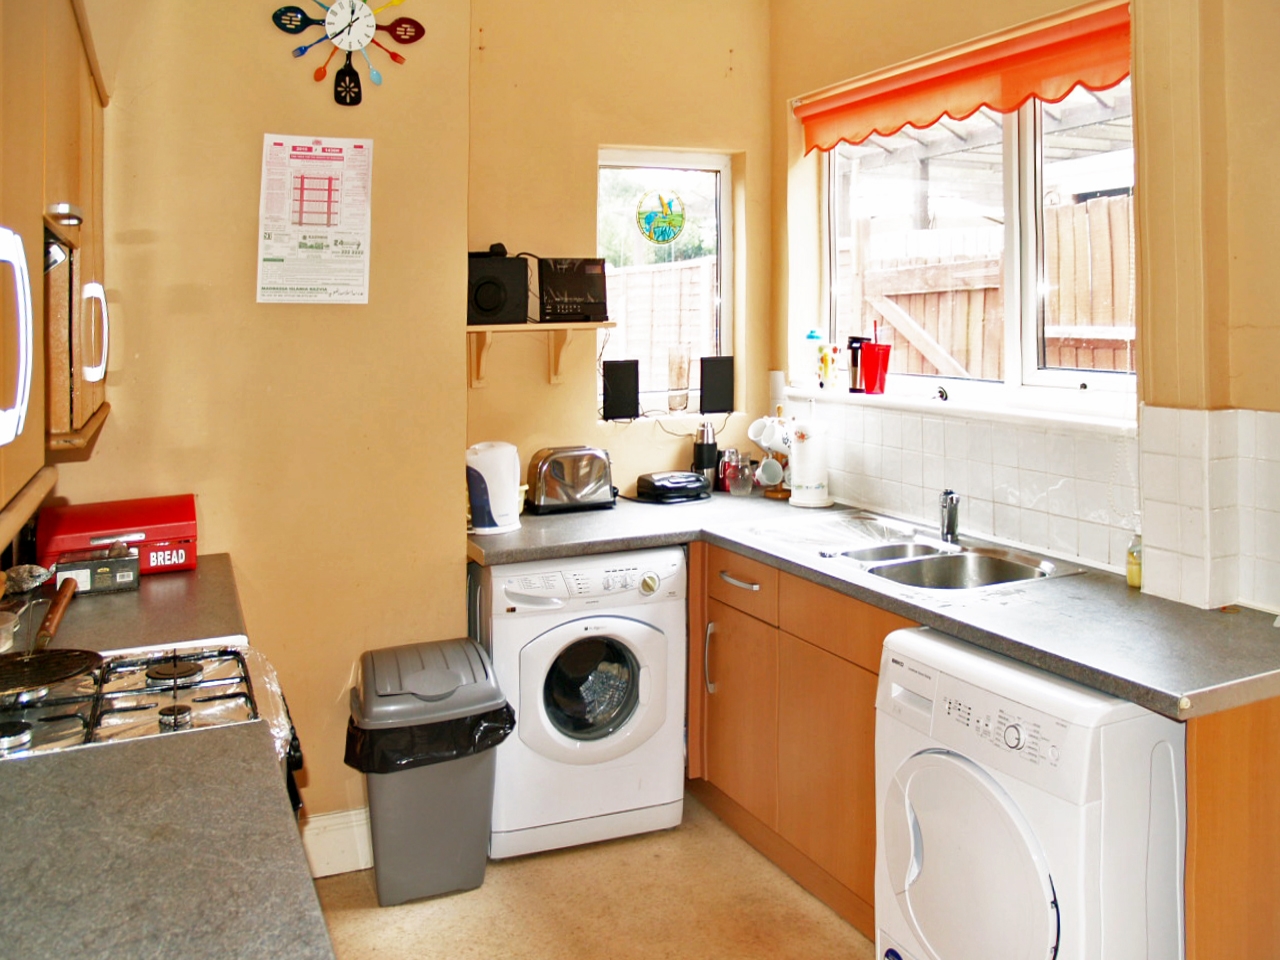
x: 570, y: 478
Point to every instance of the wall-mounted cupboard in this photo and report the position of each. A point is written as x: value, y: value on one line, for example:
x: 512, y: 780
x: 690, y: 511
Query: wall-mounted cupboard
x: 77, y: 323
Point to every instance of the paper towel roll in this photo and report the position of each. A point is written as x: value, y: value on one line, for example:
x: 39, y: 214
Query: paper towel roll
x: 777, y: 389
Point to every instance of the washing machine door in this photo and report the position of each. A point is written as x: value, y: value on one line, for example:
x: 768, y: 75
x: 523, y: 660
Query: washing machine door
x: 968, y: 872
x: 593, y: 689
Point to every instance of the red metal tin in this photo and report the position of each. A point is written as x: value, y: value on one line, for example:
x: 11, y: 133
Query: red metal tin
x: 162, y: 528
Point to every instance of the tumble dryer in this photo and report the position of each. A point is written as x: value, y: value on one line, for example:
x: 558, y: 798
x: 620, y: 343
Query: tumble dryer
x: 1020, y: 815
x: 590, y: 653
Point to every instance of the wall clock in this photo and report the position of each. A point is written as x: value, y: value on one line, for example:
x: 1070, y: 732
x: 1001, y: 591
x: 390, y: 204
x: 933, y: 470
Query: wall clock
x: 349, y: 26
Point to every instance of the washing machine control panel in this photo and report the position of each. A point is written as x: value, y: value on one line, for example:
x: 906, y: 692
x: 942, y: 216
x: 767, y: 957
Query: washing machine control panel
x: 642, y: 577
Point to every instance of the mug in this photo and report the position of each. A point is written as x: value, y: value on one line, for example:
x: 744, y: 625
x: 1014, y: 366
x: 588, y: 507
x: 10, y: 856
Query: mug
x: 769, y: 473
x: 777, y: 436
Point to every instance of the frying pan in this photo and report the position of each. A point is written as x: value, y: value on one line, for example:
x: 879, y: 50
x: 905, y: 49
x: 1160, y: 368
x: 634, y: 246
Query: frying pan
x: 41, y: 667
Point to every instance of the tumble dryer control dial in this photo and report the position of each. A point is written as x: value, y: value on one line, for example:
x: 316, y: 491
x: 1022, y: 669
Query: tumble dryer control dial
x: 650, y: 583
x: 1013, y: 737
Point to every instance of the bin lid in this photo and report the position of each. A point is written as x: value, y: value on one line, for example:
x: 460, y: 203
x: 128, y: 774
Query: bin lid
x: 420, y: 683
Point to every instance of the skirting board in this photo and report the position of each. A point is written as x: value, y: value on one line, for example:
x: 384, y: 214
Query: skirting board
x: 338, y: 842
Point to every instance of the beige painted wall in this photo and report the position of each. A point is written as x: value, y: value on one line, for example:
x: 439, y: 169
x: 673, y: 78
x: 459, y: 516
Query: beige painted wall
x: 550, y: 85
x: 324, y: 443
x: 1252, y: 86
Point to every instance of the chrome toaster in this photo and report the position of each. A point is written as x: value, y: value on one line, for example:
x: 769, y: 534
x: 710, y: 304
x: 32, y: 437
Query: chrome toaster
x: 570, y: 478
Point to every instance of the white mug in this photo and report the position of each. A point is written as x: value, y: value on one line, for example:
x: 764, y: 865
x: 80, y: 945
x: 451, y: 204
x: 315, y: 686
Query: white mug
x: 777, y: 436
x: 769, y: 473
x: 755, y: 432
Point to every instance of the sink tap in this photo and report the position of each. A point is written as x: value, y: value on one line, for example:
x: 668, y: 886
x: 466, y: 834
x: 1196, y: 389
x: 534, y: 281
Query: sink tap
x: 949, y: 504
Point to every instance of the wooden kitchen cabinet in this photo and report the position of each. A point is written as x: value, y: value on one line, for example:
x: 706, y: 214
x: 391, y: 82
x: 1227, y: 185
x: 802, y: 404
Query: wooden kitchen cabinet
x: 76, y: 321
x: 742, y: 710
x: 813, y: 731
x: 826, y: 762
x: 21, y: 150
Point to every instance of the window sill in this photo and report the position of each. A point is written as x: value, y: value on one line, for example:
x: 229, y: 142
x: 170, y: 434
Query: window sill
x: 970, y: 409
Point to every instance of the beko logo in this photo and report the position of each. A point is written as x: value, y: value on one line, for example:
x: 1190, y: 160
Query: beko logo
x: 896, y: 662
x: 168, y: 558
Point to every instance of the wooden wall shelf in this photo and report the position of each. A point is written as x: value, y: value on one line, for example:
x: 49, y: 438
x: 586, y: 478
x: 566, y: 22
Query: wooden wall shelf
x: 480, y: 339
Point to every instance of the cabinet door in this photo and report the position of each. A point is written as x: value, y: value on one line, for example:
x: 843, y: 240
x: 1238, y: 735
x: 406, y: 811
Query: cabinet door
x: 21, y: 153
x: 748, y: 585
x: 849, y: 628
x: 89, y: 323
x: 62, y: 105
x: 741, y: 719
x: 826, y: 762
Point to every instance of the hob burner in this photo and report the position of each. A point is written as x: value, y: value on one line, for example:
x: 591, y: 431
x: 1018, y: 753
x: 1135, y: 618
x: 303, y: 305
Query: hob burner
x: 14, y: 735
x: 174, y: 672
x: 175, y: 716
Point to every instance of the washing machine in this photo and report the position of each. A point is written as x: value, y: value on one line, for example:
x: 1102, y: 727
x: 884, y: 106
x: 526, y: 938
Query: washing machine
x: 591, y: 655
x: 1020, y: 815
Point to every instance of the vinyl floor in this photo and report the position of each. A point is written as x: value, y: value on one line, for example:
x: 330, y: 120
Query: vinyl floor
x: 698, y: 892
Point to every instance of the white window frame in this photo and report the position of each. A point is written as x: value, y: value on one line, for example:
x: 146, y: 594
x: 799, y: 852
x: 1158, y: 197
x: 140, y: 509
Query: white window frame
x: 1070, y: 393
x: 722, y: 164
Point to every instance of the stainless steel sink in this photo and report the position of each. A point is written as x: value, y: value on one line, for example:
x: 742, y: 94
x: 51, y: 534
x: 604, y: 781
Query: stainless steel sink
x: 976, y: 567
x: 892, y: 551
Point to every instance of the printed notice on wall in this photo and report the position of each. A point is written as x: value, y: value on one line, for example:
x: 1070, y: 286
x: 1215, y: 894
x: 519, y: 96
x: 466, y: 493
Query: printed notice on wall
x: 313, y: 220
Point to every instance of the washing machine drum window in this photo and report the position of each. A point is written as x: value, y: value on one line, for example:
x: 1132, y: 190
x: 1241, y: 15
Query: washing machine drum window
x: 592, y: 688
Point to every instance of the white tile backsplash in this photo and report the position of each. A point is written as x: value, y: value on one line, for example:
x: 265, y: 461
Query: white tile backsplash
x: 1203, y: 486
x: 1220, y: 520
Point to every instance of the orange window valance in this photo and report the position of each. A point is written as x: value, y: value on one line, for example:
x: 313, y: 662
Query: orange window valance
x: 1046, y: 58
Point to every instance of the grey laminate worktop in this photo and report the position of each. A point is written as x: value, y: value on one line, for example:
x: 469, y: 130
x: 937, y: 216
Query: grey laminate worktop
x: 177, y: 845
x: 170, y: 846
x: 1092, y: 628
x: 177, y: 607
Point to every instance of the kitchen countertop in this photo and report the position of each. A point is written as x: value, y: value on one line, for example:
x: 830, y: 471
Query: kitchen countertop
x: 179, y: 845
x: 1092, y: 628
x: 181, y: 607
x: 170, y: 846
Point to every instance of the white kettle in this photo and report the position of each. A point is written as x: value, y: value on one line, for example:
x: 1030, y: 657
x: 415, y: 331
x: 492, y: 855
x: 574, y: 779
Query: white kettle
x: 493, y: 487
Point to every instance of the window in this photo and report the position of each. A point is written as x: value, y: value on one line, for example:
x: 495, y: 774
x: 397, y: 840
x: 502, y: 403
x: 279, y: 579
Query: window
x: 995, y: 249
x: 663, y: 229
x: 999, y: 247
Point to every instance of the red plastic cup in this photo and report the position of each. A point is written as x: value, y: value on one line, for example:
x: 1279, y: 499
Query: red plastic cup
x: 875, y: 363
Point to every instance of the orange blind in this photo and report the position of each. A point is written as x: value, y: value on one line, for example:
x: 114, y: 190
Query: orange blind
x: 1045, y: 59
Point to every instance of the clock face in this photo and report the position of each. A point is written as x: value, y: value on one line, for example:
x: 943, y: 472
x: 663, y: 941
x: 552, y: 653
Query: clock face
x: 350, y: 24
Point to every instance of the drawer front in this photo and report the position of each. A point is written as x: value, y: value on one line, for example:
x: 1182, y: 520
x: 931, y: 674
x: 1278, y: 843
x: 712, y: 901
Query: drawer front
x: 744, y: 584
x: 849, y: 628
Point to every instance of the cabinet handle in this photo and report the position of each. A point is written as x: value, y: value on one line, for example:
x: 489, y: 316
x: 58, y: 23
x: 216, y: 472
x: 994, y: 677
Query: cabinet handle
x: 740, y: 584
x: 13, y: 419
x: 706, y: 658
x: 93, y: 291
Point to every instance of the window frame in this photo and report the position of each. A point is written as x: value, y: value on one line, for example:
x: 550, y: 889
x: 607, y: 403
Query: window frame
x: 722, y: 165
x: 1092, y: 393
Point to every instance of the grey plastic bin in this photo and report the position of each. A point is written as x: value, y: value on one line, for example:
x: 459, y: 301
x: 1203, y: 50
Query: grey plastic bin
x: 424, y: 720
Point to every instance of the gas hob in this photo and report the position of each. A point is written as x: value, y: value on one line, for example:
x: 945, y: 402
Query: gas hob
x: 144, y: 695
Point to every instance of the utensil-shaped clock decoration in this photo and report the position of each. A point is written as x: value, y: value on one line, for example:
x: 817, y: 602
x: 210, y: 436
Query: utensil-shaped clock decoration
x: 349, y: 25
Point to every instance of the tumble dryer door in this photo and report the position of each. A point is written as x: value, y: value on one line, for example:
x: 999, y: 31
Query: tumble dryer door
x: 968, y: 873
x: 593, y: 689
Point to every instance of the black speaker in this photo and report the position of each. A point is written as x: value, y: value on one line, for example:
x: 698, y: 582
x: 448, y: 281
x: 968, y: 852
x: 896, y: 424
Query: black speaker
x: 497, y: 290
x: 717, y: 385
x: 621, y: 389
